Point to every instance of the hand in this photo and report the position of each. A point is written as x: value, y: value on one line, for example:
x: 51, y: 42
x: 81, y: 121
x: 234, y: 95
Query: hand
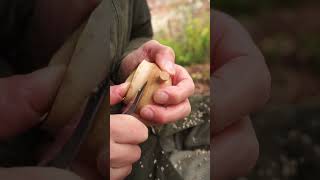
x: 240, y: 85
x: 173, y: 103
x: 25, y: 98
x: 126, y: 133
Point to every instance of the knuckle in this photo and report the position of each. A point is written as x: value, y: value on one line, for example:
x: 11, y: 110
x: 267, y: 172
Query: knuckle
x: 150, y: 44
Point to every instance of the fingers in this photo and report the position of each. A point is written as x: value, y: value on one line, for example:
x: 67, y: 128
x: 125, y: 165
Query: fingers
x: 229, y: 39
x: 162, y: 55
x: 123, y: 154
x: 239, y: 71
x: 163, y: 115
x: 183, y: 88
x: 239, y: 144
x: 175, y: 96
x: 118, y: 92
x: 25, y: 98
x: 126, y: 132
x: 125, y: 129
x: 120, y: 173
x: 153, y: 51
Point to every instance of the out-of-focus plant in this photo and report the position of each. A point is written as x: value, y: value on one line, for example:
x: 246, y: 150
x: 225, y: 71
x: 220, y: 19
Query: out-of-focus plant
x: 190, y: 39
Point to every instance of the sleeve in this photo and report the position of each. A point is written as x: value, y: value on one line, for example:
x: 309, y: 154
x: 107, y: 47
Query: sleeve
x: 141, y: 32
x: 141, y: 26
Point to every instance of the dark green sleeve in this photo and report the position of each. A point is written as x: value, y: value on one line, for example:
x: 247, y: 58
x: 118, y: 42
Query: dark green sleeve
x: 141, y: 26
x: 141, y: 32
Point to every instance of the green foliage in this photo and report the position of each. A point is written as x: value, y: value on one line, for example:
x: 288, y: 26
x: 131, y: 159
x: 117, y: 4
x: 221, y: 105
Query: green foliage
x: 191, y: 44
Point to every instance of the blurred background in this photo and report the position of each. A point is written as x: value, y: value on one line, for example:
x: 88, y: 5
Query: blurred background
x: 288, y: 128
x: 184, y: 25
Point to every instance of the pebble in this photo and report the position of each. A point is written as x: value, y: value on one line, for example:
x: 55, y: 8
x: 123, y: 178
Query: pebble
x: 162, y: 168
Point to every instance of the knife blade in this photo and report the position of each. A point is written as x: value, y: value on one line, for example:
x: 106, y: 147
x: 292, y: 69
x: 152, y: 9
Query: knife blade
x: 132, y: 106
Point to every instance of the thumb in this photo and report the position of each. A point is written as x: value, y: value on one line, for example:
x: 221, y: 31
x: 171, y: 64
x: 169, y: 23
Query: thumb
x: 25, y: 98
x: 118, y: 92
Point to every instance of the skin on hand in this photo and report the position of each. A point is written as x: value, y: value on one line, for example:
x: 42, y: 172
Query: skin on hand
x: 173, y: 103
x: 25, y: 98
x: 240, y: 84
x: 126, y: 133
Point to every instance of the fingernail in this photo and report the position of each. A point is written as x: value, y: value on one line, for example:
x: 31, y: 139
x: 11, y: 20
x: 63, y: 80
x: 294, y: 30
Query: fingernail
x: 161, y: 97
x: 170, y: 67
x: 147, y: 113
